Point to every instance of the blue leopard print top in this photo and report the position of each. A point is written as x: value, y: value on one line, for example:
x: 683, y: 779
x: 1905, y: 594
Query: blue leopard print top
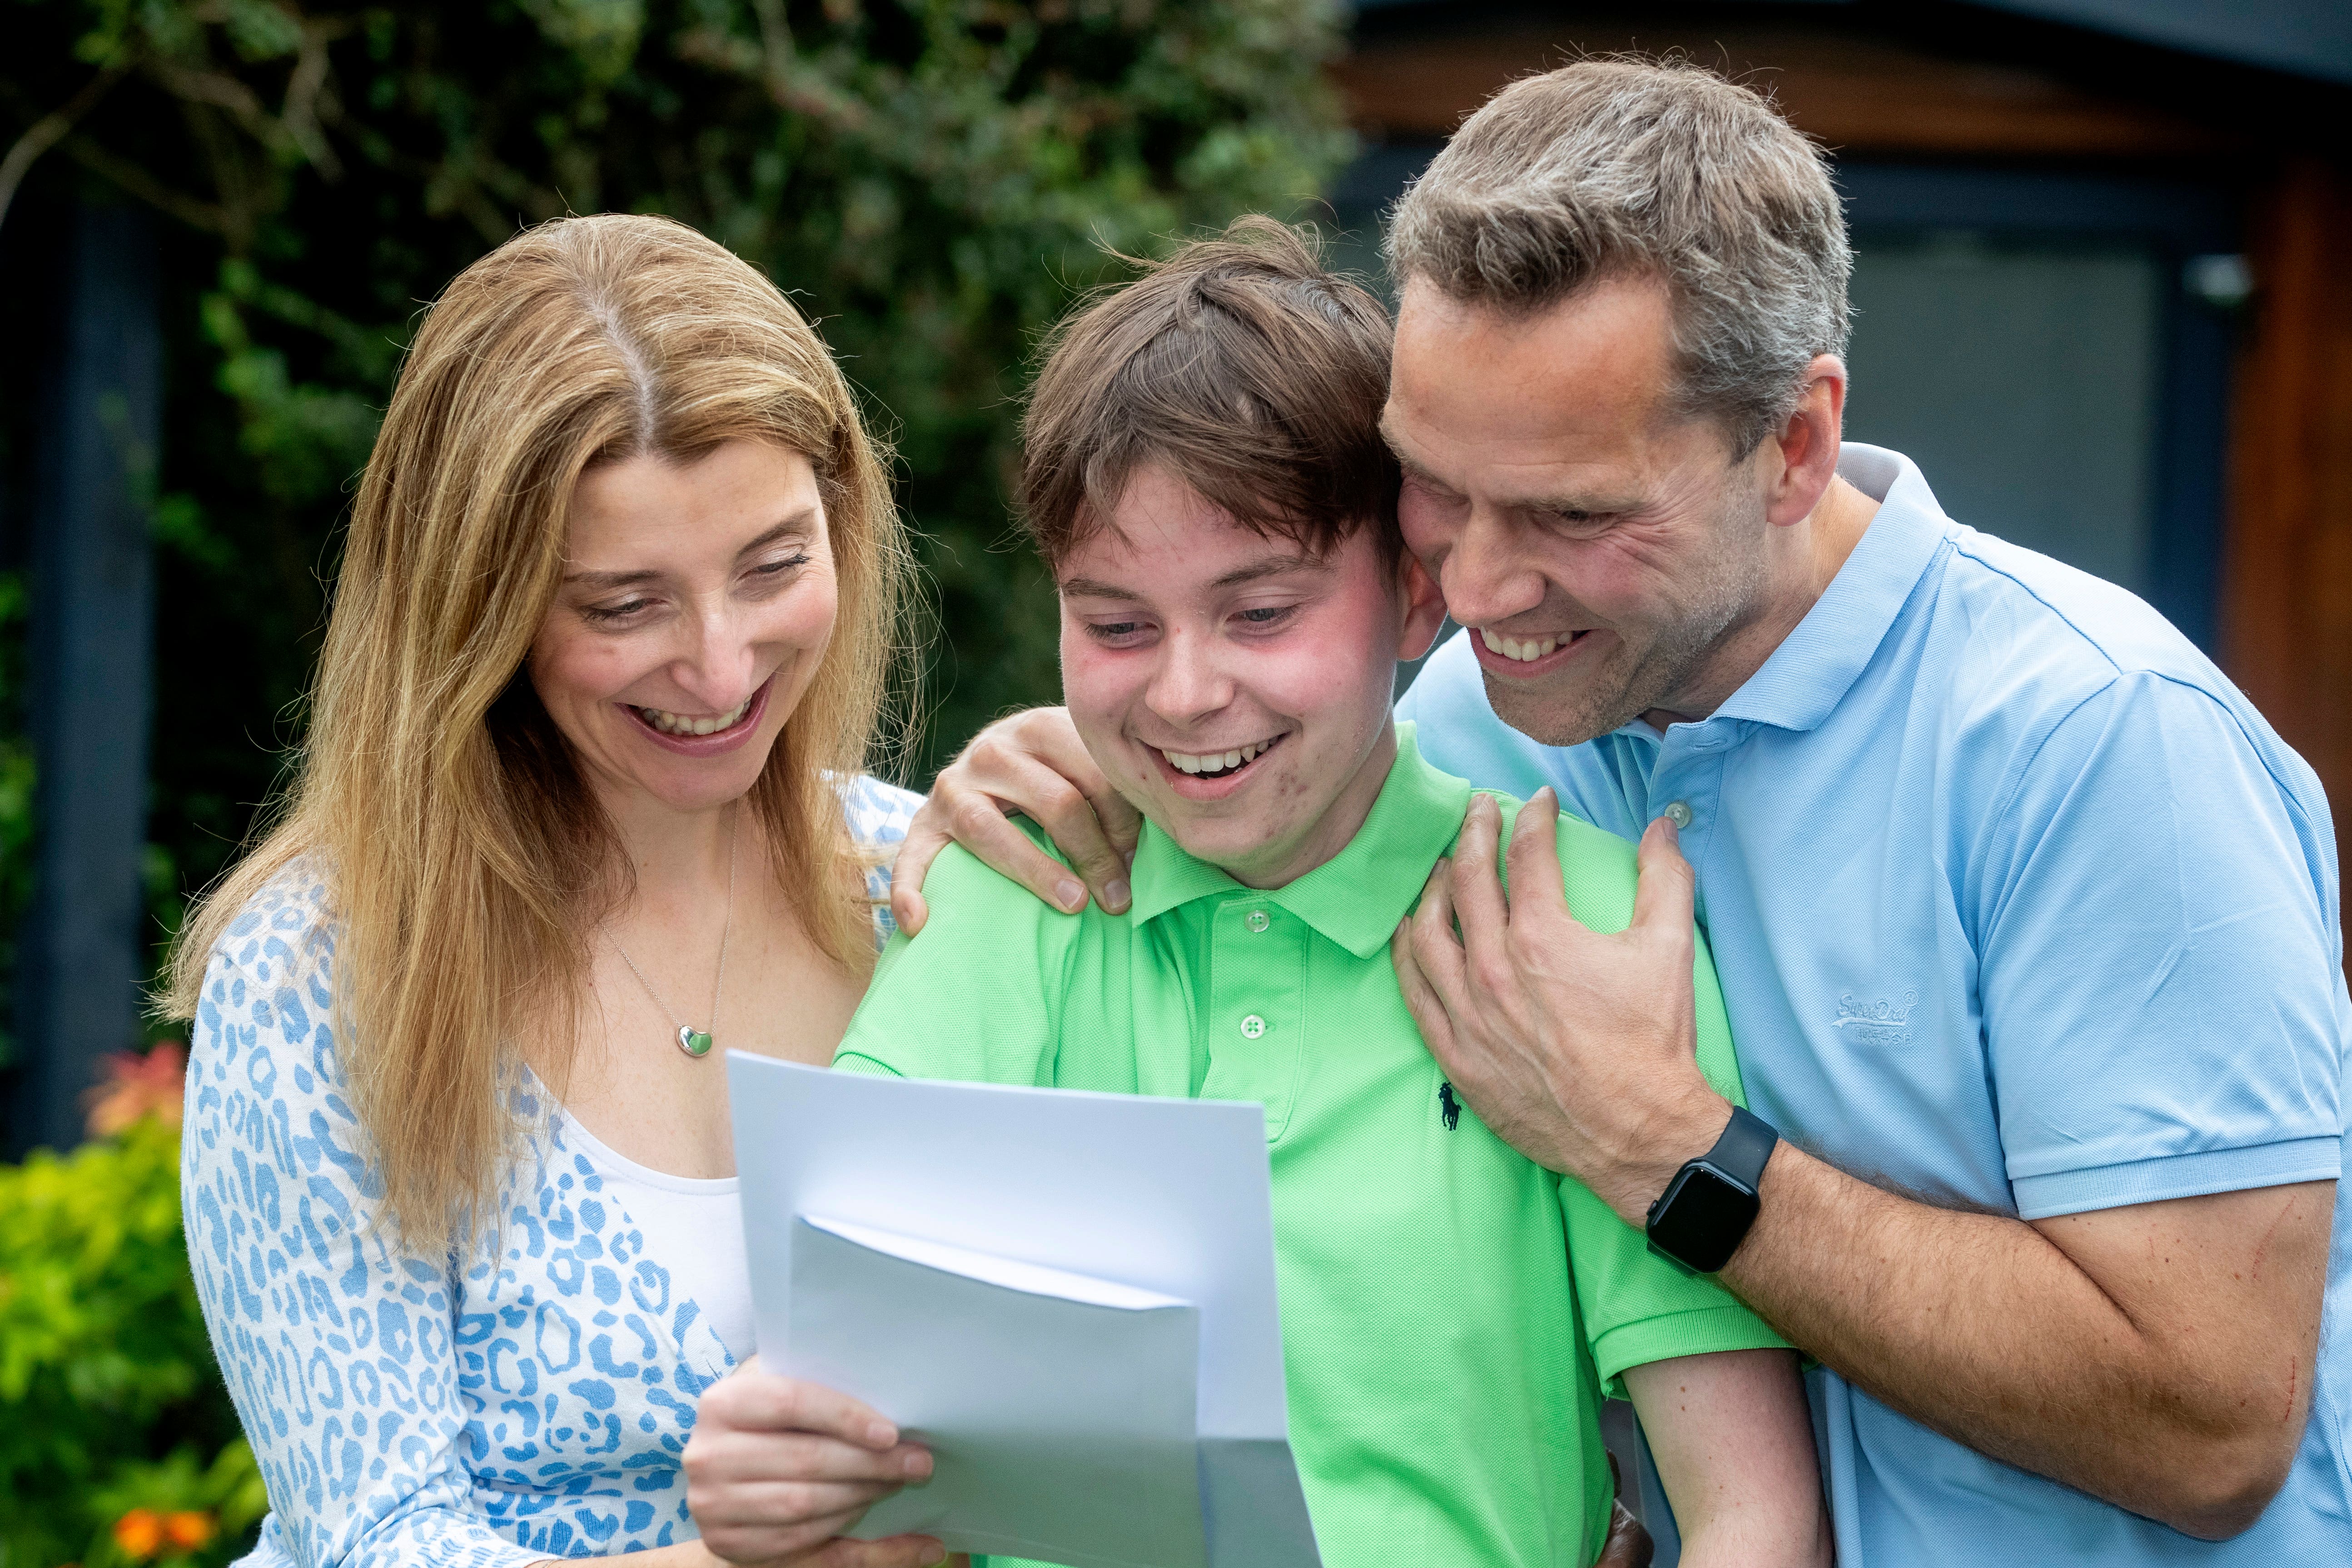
x: 530, y: 1401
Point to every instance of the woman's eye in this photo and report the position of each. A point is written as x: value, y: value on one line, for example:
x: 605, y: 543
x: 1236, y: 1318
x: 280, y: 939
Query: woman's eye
x: 606, y: 614
x: 775, y: 568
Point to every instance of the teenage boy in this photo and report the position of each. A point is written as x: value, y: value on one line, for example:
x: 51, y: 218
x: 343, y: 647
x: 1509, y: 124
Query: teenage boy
x: 1205, y: 477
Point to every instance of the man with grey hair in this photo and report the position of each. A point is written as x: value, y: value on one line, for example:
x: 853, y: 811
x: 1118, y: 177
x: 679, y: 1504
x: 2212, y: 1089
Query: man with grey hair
x: 2027, y: 923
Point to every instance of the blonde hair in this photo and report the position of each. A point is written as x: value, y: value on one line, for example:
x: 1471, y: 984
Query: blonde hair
x: 465, y: 860
x: 1622, y: 166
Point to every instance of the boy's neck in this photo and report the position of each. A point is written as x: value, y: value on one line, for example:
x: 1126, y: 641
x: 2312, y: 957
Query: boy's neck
x: 1336, y: 828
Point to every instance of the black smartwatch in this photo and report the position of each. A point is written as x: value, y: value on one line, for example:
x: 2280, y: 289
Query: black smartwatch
x: 1701, y: 1218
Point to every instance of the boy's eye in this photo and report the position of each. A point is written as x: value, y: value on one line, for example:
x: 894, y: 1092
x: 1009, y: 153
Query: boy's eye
x: 1108, y: 630
x: 1267, y: 615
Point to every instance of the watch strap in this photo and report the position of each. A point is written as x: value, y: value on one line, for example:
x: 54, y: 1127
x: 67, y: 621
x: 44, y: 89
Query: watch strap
x: 1745, y: 1148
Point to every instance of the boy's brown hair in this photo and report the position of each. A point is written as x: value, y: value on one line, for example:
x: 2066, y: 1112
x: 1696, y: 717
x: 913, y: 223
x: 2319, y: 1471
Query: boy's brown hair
x: 1242, y: 367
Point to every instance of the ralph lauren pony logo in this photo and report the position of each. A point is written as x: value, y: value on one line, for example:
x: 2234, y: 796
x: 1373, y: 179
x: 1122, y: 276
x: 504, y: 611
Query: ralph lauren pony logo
x: 1879, y: 1023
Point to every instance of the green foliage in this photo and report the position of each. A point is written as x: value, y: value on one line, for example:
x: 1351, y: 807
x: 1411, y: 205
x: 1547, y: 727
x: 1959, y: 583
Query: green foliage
x: 933, y: 179
x: 109, y: 1397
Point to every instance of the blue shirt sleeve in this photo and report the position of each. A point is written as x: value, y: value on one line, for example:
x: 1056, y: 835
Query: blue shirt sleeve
x: 2165, y: 1016
x: 337, y: 1349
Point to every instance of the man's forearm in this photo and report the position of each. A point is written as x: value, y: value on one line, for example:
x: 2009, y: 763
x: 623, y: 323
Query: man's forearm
x: 1981, y: 1327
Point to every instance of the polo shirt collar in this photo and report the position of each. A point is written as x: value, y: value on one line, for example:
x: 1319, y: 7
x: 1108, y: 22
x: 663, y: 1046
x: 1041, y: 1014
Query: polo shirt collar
x: 1356, y: 897
x: 1805, y: 677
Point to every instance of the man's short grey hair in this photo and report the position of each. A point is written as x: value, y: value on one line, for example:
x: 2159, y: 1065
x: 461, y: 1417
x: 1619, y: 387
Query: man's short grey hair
x: 1628, y: 168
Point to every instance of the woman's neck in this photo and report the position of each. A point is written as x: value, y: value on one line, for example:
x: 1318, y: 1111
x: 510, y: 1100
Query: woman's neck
x: 676, y: 856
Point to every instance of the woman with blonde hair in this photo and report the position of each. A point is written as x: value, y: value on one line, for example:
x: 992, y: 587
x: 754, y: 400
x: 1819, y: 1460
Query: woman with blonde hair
x: 581, y: 802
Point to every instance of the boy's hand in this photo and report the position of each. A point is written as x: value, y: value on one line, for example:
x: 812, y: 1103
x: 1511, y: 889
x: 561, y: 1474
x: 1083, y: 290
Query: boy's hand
x: 1031, y: 764
x: 777, y: 1469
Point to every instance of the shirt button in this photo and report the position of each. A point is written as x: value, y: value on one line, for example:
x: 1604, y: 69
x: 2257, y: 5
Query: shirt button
x: 1679, y: 813
x: 1256, y: 920
x: 1253, y: 1027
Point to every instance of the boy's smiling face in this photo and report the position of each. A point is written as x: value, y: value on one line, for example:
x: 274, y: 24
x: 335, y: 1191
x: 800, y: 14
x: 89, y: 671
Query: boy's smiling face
x: 1235, y: 688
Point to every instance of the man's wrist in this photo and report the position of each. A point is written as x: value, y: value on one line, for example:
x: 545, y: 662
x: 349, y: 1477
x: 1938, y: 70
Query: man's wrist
x: 1671, y: 1139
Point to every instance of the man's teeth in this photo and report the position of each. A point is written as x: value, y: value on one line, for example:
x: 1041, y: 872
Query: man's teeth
x: 683, y: 724
x: 1512, y: 647
x: 1214, y: 762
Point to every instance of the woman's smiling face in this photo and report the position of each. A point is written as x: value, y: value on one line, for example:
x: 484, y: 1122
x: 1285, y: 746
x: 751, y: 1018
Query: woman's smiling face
x: 696, y: 605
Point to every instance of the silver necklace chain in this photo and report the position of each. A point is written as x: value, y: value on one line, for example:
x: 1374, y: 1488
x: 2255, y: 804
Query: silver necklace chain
x: 695, y: 1042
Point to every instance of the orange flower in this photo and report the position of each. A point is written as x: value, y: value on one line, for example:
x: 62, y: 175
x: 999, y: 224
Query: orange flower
x: 188, y: 1529
x: 138, y: 1086
x: 140, y: 1533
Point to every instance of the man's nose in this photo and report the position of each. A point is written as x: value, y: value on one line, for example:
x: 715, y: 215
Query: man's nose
x: 1188, y: 684
x: 1488, y: 575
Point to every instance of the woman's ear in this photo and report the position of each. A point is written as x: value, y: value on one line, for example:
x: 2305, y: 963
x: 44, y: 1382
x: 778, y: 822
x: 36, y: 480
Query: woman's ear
x: 1425, y: 608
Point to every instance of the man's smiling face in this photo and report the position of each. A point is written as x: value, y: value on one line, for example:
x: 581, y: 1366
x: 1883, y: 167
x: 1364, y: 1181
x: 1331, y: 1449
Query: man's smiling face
x: 1601, y: 548
x: 1235, y: 688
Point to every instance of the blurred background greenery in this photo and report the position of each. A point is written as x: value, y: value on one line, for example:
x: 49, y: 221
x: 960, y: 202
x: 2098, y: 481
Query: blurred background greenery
x: 932, y: 180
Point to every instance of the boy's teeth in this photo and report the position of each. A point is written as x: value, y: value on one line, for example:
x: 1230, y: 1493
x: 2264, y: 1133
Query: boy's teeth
x: 1512, y: 647
x: 681, y: 724
x: 1214, y: 762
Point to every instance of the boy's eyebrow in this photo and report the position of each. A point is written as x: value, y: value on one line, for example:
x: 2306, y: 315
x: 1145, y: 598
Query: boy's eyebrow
x: 1270, y: 566
x: 798, y: 521
x: 1264, y: 566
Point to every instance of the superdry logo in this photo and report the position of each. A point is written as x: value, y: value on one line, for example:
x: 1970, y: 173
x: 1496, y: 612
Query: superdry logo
x: 1879, y: 1023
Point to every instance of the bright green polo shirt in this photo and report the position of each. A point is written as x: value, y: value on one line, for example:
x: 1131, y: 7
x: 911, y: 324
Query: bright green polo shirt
x: 1451, y: 1311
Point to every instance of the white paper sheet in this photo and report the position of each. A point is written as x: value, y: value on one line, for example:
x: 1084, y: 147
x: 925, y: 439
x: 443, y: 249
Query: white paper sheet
x: 1169, y: 1198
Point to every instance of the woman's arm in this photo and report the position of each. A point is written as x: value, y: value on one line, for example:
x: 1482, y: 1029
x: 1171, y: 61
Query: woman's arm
x: 1734, y: 1446
x: 337, y: 1347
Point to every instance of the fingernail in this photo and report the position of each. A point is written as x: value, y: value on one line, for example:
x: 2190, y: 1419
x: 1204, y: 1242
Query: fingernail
x: 882, y: 1435
x: 1116, y: 896
x: 934, y: 1554
x: 1069, y: 895
x: 917, y: 1463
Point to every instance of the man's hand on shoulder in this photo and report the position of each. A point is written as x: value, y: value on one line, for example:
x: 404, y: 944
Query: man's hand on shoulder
x: 1031, y: 764
x: 1578, y: 1047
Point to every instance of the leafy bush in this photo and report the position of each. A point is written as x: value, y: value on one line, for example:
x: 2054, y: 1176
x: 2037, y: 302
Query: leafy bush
x: 118, y: 1443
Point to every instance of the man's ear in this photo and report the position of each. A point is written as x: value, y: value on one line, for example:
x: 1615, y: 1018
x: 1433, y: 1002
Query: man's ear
x: 1801, y: 457
x: 1424, y: 607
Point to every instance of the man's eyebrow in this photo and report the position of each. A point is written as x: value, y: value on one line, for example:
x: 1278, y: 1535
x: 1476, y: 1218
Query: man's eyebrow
x: 798, y: 521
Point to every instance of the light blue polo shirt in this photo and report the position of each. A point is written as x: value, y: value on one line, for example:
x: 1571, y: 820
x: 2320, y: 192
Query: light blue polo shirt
x: 2018, y: 902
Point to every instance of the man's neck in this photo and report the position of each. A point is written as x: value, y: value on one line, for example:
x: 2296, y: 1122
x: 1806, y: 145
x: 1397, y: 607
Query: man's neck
x: 1805, y: 565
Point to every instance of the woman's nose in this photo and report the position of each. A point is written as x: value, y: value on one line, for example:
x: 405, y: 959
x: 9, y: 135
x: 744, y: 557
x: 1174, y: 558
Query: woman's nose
x: 719, y: 665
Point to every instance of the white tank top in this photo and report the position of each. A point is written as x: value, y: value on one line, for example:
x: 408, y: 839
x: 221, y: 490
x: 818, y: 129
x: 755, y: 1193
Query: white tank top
x: 693, y: 1228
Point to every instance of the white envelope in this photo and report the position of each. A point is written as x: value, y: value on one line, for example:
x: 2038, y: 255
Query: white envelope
x: 1043, y: 1395
x: 1011, y: 1263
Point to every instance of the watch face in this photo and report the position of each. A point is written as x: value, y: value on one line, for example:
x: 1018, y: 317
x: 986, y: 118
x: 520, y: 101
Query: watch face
x: 1702, y: 1219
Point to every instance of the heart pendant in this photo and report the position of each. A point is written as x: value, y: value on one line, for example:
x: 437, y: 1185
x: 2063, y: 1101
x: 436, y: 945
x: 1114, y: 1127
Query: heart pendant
x: 694, y: 1042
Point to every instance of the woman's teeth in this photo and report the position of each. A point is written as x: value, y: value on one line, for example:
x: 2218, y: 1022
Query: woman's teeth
x: 682, y: 724
x: 1512, y: 647
x: 1214, y: 762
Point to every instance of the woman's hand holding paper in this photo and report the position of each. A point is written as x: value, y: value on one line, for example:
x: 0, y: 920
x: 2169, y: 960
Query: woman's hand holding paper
x: 777, y: 1469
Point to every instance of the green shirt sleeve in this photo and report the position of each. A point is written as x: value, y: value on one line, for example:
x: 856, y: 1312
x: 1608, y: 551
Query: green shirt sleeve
x: 1638, y: 1308
x: 975, y: 997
